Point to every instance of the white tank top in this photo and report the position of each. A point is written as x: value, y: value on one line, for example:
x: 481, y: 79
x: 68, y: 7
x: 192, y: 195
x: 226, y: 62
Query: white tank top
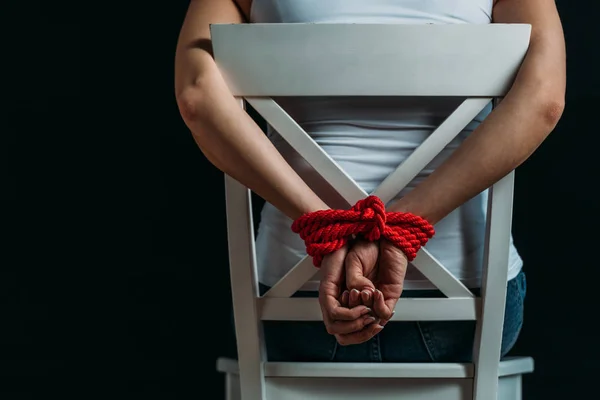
x: 369, y: 137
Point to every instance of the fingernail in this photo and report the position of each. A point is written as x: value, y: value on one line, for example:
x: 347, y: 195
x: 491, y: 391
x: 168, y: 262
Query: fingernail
x: 344, y: 299
x: 369, y: 320
x: 367, y: 310
x: 355, y: 291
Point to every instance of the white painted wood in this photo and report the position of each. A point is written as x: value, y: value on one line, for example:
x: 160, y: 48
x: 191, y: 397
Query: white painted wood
x: 430, y: 148
x: 232, y: 387
x: 408, y: 170
x: 228, y: 365
x: 301, y: 379
x: 389, y: 188
x: 358, y: 370
x: 511, y: 366
x: 432, y: 60
x: 407, y: 309
x: 294, y: 280
x: 368, y: 388
x: 279, y: 119
x: 515, y: 366
x: 443, y: 279
x: 509, y: 388
x: 488, y: 336
x: 244, y: 285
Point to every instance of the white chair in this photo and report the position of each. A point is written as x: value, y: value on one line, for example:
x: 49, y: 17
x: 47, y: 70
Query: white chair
x: 478, y: 62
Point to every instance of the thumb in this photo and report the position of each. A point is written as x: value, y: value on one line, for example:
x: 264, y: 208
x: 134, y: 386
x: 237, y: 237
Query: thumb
x: 332, y: 266
x: 355, y: 278
x: 384, y: 308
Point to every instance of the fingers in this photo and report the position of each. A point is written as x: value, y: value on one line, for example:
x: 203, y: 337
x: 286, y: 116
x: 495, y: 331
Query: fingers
x: 344, y: 300
x: 361, y: 336
x: 391, y: 305
x: 348, y: 327
x: 333, y: 310
x: 354, y: 300
x: 339, y: 313
x: 381, y: 307
x: 366, y: 297
x: 342, y: 320
x: 359, y: 330
x: 355, y: 272
x: 360, y: 263
x: 384, y: 322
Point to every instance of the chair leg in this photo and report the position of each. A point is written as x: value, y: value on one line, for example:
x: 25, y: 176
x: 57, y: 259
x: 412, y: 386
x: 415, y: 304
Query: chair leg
x: 232, y: 387
x: 510, y: 388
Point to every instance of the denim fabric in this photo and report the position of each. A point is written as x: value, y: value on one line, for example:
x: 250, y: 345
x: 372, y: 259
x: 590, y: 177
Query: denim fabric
x: 438, y: 341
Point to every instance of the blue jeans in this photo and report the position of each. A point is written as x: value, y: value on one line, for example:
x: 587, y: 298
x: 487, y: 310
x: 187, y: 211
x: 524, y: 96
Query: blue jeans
x: 438, y: 341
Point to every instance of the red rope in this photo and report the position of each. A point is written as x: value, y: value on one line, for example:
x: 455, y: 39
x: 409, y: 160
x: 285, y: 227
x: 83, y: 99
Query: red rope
x: 326, y: 231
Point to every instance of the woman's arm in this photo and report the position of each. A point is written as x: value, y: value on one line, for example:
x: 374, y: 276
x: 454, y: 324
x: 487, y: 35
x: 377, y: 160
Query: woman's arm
x: 513, y: 130
x: 225, y: 133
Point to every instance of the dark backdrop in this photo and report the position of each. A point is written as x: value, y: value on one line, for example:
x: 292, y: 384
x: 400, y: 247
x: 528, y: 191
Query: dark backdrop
x: 115, y: 273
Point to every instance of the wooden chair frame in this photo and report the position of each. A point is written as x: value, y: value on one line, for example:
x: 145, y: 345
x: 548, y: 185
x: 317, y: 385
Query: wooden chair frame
x: 477, y: 62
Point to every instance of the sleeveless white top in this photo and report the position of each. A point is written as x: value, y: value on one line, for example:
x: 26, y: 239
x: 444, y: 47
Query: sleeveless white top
x: 370, y: 136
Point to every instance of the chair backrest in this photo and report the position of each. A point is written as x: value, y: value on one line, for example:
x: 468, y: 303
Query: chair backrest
x: 478, y: 62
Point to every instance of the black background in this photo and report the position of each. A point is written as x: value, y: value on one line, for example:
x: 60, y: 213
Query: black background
x: 114, y: 272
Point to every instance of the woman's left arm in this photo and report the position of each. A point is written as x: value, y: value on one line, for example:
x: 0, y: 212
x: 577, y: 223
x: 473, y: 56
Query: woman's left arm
x: 514, y: 129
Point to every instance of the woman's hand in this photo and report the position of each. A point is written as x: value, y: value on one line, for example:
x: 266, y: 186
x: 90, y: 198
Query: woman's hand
x: 389, y: 281
x: 361, y: 265
x: 349, y: 325
x: 375, y: 273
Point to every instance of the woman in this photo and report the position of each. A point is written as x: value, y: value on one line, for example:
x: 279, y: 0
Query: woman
x: 369, y: 138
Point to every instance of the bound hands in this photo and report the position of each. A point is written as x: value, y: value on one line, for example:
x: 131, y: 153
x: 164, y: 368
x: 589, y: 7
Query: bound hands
x: 360, y: 286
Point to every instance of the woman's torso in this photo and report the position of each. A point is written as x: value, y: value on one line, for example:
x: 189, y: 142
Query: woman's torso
x: 369, y: 137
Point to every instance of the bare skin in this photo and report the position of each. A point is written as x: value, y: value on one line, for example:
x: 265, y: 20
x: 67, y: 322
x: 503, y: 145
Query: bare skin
x: 236, y: 145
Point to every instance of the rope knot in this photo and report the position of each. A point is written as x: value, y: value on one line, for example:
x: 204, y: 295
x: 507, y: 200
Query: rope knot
x: 326, y: 231
x: 372, y: 216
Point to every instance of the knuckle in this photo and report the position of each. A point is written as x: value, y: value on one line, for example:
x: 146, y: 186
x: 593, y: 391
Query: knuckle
x: 383, y: 315
x: 342, y: 341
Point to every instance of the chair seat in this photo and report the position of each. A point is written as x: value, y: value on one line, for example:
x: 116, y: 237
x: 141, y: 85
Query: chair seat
x: 508, y: 366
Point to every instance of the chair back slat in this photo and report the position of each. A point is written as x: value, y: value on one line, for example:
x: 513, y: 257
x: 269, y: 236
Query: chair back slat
x: 369, y: 60
x: 410, y: 309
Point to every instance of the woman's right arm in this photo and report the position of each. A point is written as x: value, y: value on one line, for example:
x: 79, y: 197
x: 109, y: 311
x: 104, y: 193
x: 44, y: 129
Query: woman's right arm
x: 225, y: 133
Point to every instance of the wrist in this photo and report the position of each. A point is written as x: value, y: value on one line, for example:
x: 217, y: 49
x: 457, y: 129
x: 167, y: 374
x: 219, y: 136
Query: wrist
x: 327, y: 231
x: 387, y: 246
x: 421, y: 209
x: 309, y: 207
